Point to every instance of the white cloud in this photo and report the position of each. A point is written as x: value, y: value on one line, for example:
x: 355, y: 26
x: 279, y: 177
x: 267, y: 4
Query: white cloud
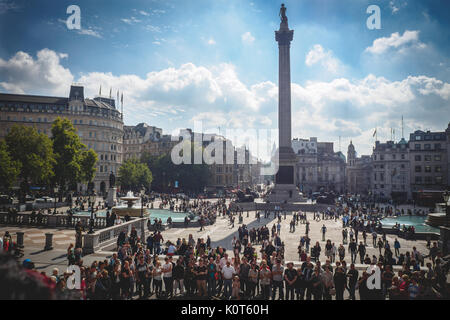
x: 326, y: 58
x: 90, y: 32
x: 151, y: 28
x: 131, y: 20
x: 395, y: 40
x: 44, y: 74
x: 6, y: 6
x: 349, y: 108
x: 211, y: 41
x: 396, y: 5
x: 247, y: 38
x: 144, y: 13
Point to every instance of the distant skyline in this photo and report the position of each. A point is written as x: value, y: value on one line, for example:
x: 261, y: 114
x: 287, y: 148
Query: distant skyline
x: 217, y: 61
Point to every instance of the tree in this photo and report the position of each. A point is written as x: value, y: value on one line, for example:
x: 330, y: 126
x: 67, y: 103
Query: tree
x: 88, y: 165
x: 9, y: 169
x: 33, y: 151
x: 74, y: 162
x: 133, y: 174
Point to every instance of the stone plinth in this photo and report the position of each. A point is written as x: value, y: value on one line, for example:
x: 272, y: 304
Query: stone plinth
x: 112, y: 197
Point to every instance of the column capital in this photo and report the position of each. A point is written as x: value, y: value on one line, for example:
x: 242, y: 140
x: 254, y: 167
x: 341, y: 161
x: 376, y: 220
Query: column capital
x: 284, y: 37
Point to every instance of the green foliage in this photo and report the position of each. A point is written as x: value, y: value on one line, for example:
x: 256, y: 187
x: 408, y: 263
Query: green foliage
x: 9, y: 169
x: 74, y: 162
x: 88, y: 165
x: 134, y: 174
x: 34, y: 154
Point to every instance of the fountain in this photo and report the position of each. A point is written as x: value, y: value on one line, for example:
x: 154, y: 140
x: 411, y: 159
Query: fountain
x: 130, y: 206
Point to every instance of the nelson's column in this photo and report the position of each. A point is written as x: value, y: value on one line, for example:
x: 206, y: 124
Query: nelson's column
x: 285, y: 189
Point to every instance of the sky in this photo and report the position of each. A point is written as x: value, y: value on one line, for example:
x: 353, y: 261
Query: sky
x: 216, y: 61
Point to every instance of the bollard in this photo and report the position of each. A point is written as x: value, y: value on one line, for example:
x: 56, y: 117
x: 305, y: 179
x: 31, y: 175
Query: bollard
x: 48, y: 241
x: 19, y: 239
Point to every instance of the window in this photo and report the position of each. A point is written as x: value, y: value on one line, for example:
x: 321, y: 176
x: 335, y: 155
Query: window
x: 437, y: 146
x: 428, y: 180
x: 438, y: 180
x: 437, y: 157
x: 427, y: 168
x: 418, y: 180
x: 427, y: 157
x: 417, y: 147
x: 418, y: 158
x: 438, y: 169
x: 418, y: 138
x: 393, y: 157
x: 403, y: 166
x: 418, y: 169
x: 381, y: 157
x: 427, y: 146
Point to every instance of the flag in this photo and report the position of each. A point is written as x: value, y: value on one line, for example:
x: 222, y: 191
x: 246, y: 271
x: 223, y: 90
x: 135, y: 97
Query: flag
x: 374, y: 133
x: 117, y: 96
x: 110, y: 93
x: 121, y: 99
x: 100, y: 91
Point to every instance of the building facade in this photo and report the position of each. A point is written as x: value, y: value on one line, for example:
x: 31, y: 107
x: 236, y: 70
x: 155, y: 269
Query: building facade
x: 137, y: 139
x: 358, y: 172
x: 391, y: 177
x: 319, y: 168
x: 429, y: 160
x: 99, y: 125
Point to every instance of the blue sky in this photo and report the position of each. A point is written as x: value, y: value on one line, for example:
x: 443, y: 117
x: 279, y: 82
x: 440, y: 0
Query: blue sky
x: 216, y: 61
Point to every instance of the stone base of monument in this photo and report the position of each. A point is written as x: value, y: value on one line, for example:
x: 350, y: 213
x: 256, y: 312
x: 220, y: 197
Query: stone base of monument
x: 285, y: 193
x: 112, y: 197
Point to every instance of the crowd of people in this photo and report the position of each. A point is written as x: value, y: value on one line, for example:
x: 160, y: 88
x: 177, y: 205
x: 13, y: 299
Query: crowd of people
x: 192, y: 268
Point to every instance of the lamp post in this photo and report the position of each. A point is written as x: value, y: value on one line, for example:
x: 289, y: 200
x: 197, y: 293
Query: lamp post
x: 91, y: 221
x: 142, y: 214
x: 55, y: 193
x: 447, y: 208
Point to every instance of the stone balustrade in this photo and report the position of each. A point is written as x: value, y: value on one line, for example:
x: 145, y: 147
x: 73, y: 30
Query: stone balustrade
x: 53, y: 221
x: 108, y: 236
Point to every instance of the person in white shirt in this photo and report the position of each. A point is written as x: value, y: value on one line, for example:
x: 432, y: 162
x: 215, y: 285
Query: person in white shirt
x: 224, y: 260
x: 228, y: 271
x: 167, y: 277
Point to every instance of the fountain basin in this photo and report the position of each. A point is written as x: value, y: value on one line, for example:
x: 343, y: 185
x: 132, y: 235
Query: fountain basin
x: 436, y: 219
x: 419, y: 223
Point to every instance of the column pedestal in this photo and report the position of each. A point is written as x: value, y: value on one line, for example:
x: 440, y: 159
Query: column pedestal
x: 112, y: 197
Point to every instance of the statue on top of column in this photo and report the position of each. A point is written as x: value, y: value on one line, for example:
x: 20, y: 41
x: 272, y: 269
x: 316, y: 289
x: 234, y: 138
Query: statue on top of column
x: 283, y: 13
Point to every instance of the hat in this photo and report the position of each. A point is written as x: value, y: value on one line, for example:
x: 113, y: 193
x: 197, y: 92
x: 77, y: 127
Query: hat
x: 27, y: 264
